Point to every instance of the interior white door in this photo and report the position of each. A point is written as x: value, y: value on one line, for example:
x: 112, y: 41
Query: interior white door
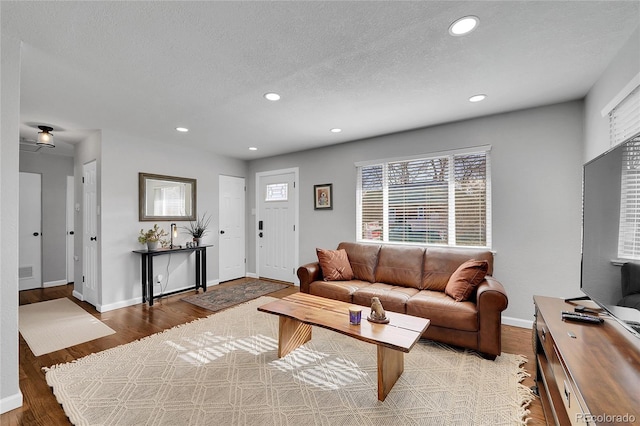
x: 277, y: 225
x: 30, y: 231
x: 90, y: 233
x: 71, y: 200
x: 232, y: 229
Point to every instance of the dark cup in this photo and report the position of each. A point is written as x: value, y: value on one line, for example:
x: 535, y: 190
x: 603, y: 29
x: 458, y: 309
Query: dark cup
x: 355, y: 315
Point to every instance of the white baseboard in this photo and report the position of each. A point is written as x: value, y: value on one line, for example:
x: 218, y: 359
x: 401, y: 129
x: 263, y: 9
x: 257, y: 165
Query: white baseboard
x: 54, y: 283
x: 78, y: 295
x: 11, y: 402
x: 296, y: 282
x: 138, y: 300
x: 118, y: 305
x: 517, y: 322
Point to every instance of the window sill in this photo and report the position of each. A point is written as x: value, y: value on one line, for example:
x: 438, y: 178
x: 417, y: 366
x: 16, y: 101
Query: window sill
x: 619, y: 262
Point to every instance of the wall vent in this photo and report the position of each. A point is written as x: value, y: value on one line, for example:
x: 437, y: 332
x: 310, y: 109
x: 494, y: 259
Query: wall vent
x: 25, y: 272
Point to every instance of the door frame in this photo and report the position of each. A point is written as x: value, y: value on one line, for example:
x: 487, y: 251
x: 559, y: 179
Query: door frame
x: 296, y: 215
x: 38, y: 263
x: 70, y: 224
x: 243, y: 214
x: 89, y: 295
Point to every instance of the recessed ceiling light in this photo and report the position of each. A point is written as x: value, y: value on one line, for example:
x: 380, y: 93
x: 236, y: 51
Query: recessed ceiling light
x: 253, y: 148
x: 477, y: 98
x: 464, y: 25
x: 272, y: 96
x: 336, y: 130
x: 182, y: 129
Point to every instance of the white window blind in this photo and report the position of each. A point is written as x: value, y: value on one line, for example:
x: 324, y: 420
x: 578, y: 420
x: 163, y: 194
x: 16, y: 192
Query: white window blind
x: 444, y: 199
x: 169, y: 200
x: 629, y: 233
x: 624, y: 119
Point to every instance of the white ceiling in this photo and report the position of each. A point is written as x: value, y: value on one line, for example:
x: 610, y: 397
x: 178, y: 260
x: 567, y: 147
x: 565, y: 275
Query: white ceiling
x: 370, y: 68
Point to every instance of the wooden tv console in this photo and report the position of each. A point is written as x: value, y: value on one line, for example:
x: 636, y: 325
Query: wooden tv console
x: 586, y: 374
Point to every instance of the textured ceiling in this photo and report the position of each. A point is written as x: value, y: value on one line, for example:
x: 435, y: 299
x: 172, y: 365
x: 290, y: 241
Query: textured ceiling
x: 370, y: 68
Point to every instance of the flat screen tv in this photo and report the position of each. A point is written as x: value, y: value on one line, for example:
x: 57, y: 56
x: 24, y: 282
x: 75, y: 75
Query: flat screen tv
x: 610, y: 273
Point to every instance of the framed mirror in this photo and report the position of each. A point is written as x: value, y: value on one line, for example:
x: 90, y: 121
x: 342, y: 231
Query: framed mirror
x: 166, y: 198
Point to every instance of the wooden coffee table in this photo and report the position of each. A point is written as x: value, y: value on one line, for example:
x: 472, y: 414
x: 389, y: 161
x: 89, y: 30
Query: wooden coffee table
x: 299, y: 311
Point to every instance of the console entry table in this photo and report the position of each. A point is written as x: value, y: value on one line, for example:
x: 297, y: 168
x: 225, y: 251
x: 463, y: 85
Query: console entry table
x: 146, y: 257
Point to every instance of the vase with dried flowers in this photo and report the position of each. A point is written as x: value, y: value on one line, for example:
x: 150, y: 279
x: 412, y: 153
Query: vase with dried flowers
x: 198, y: 228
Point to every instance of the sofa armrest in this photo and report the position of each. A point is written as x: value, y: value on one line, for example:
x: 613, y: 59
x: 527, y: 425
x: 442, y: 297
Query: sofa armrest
x: 491, y: 300
x: 491, y: 295
x: 307, y: 274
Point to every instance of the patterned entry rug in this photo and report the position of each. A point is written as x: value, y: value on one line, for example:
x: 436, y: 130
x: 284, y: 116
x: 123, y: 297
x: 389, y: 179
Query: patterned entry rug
x: 218, y: 298
x: 224, y: 370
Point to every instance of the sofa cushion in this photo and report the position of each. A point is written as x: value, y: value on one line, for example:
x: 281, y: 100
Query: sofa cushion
x: 400, y: 265
x: 443, y: 311
x: 338, y: 290
x: 440, y: 263
x: 393, y: 298
x: 334, y: 264
x: 363, y: 259
x: 466, y: 279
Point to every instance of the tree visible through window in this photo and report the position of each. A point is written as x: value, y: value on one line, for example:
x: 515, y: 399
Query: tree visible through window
x: 624, y: 124
x: 441, y: 200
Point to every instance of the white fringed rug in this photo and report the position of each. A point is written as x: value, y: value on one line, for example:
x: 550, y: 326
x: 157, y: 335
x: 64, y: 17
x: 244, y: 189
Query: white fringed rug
x: 57, y: 324
x: 224, y: 370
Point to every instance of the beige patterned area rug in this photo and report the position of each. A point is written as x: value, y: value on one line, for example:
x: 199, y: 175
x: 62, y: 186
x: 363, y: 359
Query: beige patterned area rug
x: 57, y: 324
x: 224, y: 370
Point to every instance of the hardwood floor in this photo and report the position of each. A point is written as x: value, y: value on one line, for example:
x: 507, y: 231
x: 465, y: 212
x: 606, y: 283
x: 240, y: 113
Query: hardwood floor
x: 134, y: 322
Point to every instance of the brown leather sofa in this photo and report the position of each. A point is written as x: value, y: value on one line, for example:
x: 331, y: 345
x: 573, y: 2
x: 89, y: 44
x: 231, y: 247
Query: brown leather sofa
x: 411, y: 280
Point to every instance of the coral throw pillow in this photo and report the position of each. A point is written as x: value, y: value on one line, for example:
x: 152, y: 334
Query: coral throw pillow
x: 335, y: 265
x: 466, y: 279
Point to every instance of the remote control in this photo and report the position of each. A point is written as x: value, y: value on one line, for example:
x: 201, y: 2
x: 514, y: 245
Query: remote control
x: 576, y: 316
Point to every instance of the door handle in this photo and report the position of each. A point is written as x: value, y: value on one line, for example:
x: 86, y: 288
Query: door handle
x: 260, y: 235
x: 93, y: 238
x: 35, y: 234
x: 221, y: 231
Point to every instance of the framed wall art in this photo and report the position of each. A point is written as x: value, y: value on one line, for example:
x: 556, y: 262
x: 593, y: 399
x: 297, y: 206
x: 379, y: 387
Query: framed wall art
x: 323, y: 196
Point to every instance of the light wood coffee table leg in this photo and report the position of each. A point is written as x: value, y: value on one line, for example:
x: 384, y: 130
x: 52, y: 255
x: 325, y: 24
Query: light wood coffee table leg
x: 390, y: 367
x: 292, y: 334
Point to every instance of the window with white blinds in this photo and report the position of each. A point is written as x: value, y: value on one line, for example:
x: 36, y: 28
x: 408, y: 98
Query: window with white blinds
x: 624, y: 119
x: 629, y: 232
x: 444, y: 200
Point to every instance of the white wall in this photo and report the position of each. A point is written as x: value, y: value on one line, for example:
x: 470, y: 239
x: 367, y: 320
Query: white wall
x: 536, y: 162
x: 624, y: 67
x: 10, y: 395
x: 123, y: 157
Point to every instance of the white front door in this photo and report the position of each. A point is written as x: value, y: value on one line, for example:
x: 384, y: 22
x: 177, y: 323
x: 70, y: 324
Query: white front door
x: 276, y: 227
x: 232, y: 217
x: 70, y: 227
x: 90, y: 233
x: 30, y: 231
